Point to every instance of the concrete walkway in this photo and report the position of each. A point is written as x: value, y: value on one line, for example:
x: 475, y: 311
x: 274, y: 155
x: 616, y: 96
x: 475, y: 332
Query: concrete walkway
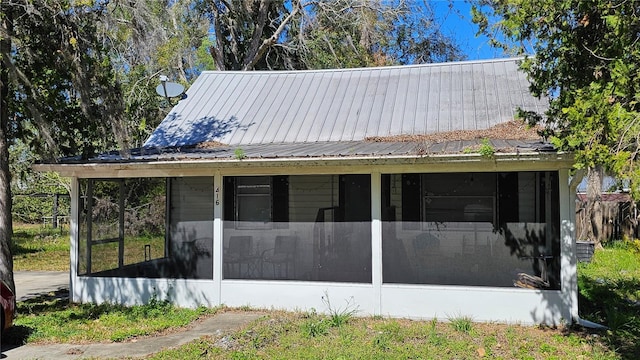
x: 216, y: 325
x: 30, y: 284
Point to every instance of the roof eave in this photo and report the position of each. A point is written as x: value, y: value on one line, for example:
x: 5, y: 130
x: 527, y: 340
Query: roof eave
x: 534, y: 161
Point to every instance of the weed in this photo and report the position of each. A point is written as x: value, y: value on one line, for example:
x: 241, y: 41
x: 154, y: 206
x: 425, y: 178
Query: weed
x: 434, y: 324
x: 381, y: 341
x: 340, y: 316
x: 486, y: 149
x: 632, y: 244
x: 463, y: 324
x: 239, y: 154
x: 388, y: 333
x: 616, y: 319
x: 315, y: 327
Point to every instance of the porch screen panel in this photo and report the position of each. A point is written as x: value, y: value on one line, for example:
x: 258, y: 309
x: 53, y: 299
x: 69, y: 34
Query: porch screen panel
x: 122, y: 227
x: 307, y: 227
x: 191, y: 227
x: 473, y: 229
x: 100, y: 226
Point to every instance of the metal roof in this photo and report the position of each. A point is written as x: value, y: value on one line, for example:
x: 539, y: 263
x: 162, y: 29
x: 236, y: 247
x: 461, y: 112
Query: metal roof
x: 345, y: 105
x: 343, y: 149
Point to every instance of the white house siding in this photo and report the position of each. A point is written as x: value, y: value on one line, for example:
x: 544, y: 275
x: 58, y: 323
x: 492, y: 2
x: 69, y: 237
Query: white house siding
x: 526, y: 200
x: 309, y: 193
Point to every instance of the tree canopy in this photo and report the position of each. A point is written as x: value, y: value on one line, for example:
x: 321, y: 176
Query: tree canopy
x: 585, y: 56
x: 298, y: 34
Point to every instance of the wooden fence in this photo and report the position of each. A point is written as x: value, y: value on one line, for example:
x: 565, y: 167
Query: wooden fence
x: 618, y: 214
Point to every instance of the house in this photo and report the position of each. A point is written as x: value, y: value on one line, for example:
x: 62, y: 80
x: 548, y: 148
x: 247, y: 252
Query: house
x: 403, y: 191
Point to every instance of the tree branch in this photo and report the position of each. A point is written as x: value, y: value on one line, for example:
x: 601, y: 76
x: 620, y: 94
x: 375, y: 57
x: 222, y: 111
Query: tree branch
x: 217, y: 52
x: 257, y: 34
x: 272, y: 39
x: 596, y: 55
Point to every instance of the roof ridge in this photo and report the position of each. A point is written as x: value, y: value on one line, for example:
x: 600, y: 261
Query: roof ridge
x: 391, y: 67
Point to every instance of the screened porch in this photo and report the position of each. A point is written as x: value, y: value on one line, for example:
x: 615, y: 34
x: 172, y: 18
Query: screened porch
x: 467, y: 229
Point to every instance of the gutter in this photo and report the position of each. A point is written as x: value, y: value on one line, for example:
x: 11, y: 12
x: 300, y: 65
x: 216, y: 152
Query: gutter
x: 590, y: 324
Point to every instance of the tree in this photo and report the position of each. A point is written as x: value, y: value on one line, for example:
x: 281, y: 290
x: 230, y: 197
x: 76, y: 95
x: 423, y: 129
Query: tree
x: 146, y: 38
x: 297, y: 34
x: 6, y: 260
x: 76, y: 73
x: 244, y: 31
x: 347, y: 33
x: 59, y: 94
x: 586, y: 60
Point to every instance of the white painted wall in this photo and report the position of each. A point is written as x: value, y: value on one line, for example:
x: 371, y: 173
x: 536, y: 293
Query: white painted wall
x: 404, y: 301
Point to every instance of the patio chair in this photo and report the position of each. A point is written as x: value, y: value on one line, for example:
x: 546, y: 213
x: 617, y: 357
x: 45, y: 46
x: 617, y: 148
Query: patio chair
x: 238, y: 252
x: 282, y: 255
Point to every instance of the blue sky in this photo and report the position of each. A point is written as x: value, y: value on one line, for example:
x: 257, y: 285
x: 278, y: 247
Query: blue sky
x: 457, y: 24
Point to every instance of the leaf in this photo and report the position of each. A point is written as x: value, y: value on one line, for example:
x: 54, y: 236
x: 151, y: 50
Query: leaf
x: 481, y: 352
x: 612, y: 20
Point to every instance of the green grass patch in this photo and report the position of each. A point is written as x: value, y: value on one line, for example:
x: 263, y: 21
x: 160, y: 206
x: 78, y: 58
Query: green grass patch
x: 38, y: 247
x: 610, y: 295
x: 43, y: 248
x: 53, y: 320
x: 284, y: 335
x: 463, y: 324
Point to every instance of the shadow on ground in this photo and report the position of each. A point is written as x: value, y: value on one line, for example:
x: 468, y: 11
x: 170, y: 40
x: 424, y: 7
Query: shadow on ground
x: 612, y: 301
x: 54, y: 301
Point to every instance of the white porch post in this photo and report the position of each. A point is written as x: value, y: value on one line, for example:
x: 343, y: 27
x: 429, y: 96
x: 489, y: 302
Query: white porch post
x: 218, y: 244
x: 568, y: 267
x: 376, y: 240
x: 74, y: 238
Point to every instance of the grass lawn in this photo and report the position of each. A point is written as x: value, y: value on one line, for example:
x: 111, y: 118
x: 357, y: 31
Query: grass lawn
x: 609, y: 294
x: 43, y: 248
x: 49, y: 319
x: 38, y: 247
x: 310, y: 336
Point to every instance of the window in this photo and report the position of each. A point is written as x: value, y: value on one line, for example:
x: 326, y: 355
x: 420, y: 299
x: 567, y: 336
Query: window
x: 466, y: 197
x: 256, y: 202
x: 253, y: 199
x: 298, y: 227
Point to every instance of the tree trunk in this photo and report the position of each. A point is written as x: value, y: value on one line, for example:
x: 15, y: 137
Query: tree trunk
x: 594, y: 204
x: 6, y: 231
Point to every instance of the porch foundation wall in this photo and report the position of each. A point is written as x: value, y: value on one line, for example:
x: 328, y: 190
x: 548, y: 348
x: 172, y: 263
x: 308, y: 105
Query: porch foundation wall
x: 483, y: 304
